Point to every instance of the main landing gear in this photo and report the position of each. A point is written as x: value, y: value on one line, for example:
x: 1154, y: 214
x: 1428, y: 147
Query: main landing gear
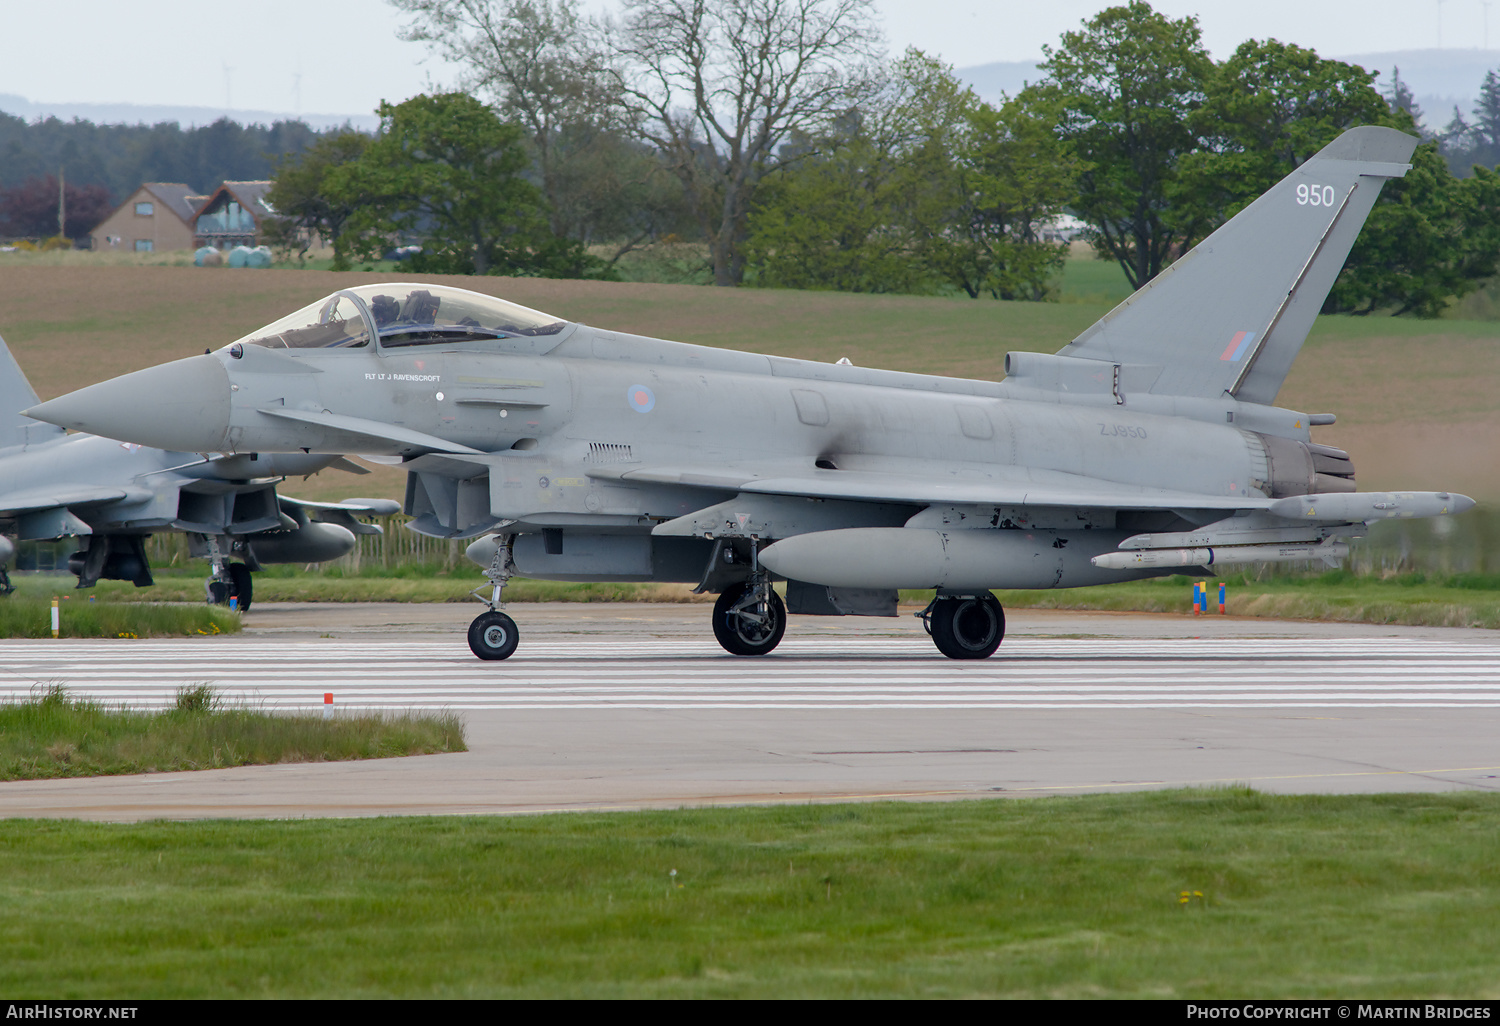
x: 493, y: 635
x: 965, y: 626
x: 232, y: 582
x: 750, y: 618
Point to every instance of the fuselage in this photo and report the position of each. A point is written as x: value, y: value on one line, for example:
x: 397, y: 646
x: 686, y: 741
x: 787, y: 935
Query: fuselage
x: 509, y: 420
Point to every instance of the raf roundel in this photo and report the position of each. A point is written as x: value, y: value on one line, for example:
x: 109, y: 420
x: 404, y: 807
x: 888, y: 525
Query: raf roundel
x: 641, y: 398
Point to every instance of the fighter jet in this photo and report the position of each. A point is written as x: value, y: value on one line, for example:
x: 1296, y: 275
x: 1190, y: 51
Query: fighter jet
x: 113, y: 495
x: 1149, y: 443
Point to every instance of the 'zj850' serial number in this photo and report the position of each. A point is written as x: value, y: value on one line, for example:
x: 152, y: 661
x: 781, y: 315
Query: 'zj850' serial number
x: 1121, y: 431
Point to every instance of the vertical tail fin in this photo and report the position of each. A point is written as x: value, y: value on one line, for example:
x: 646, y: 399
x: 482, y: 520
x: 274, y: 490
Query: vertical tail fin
x: 16, y: 394
x: 1231, y: 315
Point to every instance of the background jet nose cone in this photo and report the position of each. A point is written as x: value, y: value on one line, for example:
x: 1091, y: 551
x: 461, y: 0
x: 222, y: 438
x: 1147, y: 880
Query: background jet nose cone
x: 182, y: 405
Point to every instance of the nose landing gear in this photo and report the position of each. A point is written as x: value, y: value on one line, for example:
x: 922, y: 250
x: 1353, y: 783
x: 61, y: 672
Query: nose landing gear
x: 493, y: 635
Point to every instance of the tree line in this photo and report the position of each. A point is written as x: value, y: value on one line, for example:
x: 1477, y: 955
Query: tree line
x: 781, y: 137
x: 778, y: 134
x: 103, y: 164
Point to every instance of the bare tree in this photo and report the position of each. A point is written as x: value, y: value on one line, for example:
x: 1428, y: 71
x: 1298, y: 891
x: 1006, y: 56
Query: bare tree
x: 540, y: 63
x: 718, y: 85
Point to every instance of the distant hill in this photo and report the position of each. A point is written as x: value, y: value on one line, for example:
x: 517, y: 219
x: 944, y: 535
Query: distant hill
x: 187, y: 117
x: 1440, y: 79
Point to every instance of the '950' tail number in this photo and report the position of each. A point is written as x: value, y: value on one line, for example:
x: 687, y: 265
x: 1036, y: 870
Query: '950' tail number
x: 1121, y: 431
x: 1314, y: 195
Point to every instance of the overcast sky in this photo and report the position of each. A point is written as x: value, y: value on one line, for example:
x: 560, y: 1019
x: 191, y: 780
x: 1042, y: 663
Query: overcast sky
x: 343, y: 57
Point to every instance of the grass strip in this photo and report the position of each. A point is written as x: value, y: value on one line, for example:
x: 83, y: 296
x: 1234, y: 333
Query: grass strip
x: 1417, y: 600
x: 27, y: 614
x: 54, y: 735
x: 403, y: 584
x: 1206, y: 894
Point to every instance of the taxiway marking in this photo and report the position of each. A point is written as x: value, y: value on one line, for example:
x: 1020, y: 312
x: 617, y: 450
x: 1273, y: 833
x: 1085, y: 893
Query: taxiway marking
x: 812, y: 673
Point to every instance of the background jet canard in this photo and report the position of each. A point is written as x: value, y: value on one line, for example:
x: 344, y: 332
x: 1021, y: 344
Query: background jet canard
x: 112, y: 496
x: 1151, y: 442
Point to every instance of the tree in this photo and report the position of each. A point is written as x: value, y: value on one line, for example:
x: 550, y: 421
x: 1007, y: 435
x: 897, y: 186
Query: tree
x: 536, y: 59
x: 447, y: 172
x: 927, y: 190
x: 1267, y: 109
x: 849, y: 211
x: 121, y: 157
x: 1129, y: 83
x: 30, y: 209
x: 716, y: 86
x: 1015, y: 176
x: 1467, y: 143
x: 1430, y: 238
x: 1401, y: 98
x: 304, y: 205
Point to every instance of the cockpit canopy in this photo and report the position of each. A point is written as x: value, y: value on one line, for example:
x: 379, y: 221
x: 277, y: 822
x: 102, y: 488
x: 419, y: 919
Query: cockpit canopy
x: 402, y: 315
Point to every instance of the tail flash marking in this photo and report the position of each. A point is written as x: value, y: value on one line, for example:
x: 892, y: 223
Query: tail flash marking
x: 1237, y: 346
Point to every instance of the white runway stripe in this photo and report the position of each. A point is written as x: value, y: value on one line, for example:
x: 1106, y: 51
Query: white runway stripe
x: 805, y: 673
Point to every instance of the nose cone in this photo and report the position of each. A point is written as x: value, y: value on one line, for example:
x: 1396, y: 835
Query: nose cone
x: 183, y: 405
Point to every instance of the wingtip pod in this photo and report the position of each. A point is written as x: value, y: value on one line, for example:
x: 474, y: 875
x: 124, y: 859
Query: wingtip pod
x: 1362, y: 507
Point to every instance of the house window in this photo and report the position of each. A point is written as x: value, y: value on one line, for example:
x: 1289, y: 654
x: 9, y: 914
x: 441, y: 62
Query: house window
x: 144, y: 210
x: 143, y: 245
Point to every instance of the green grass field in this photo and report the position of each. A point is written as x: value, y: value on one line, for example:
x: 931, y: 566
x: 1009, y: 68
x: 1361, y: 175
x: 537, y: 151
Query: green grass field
x: 1417, y: 600
x: 28, y: 613
x: 54, y: 735
x: 1207, y: 894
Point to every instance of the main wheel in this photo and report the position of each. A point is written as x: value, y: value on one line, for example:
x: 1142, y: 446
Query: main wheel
x: 241, y: 585
x: 752, y: 628
x: 218, y: 592
x: 968, y: 628
x: 493, y: 636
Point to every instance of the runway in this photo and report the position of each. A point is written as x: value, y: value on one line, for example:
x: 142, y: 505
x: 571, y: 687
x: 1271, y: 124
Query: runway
x: 632, y: 706
x: 813, y: 673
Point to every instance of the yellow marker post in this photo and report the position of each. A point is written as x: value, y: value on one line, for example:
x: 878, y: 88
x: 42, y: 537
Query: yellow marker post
x: 56, y: 617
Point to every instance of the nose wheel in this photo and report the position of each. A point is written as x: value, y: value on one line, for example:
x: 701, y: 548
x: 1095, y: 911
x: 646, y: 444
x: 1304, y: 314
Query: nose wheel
x: 965, y: 627
x: 493, y: 635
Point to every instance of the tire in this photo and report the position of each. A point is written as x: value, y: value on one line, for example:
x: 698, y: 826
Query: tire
x: 968, y: 628
x: 241, y: 585
x: 493, y: 636
x: 218, y: 593
x: 741, y: 636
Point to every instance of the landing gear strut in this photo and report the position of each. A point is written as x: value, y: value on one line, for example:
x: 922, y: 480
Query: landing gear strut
x: 965, y: 626
x: 493, y: 635
x: 749, y: 618
x: 233, y: 581
x: 241, y: 586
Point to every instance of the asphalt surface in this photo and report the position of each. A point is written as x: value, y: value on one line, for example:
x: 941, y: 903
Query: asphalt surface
x: 610, y: 706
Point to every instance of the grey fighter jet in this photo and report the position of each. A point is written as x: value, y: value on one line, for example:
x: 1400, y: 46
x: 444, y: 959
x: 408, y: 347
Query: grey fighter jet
x: 1149, y: 443
x: 113, y: 495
